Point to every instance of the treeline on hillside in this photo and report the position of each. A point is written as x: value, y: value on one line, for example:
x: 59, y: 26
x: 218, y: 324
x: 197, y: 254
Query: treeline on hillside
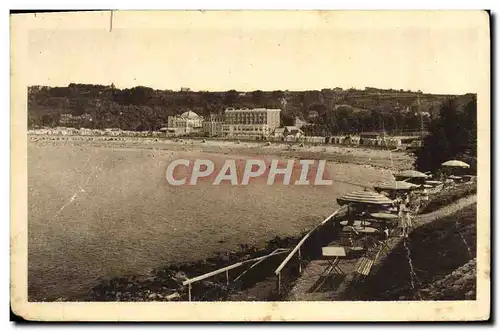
x: 452, y: 135
x: 345, y: 120
x: 141, y: 108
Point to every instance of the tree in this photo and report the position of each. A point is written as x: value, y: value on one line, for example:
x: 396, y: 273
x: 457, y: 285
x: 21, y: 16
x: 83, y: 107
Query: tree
x: 50, y: 120
x: 287, y: 119
x: 230, y: 97
x: 453, y: 135
x: 258, y: 97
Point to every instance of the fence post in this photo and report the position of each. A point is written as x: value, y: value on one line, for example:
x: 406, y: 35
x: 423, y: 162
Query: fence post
x: 189, y: 291
x: 227, y: 277
x: 300, y: 262
x: 279, y: 283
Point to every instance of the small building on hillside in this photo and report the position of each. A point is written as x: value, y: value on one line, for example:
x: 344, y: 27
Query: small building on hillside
x: 279, y: 132
x: 288, y: 131
x: 293, y: 131
x: 299, y: 123
x: 74, y: 121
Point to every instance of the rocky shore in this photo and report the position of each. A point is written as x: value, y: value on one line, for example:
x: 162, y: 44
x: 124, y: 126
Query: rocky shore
x: 165, y: 284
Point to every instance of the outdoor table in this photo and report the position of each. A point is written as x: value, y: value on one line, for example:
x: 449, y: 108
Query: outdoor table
x: 332, y: 254
x: 385, y: 216
x: 360, y: 229
x: 365, y: 230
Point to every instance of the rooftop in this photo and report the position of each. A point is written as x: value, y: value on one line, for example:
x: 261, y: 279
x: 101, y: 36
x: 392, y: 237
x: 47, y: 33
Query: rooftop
x: 233, y: 110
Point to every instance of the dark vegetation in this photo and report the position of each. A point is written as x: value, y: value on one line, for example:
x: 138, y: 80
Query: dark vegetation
x: 452, y: 135
x: 437, y: 250
x: 330, y: 111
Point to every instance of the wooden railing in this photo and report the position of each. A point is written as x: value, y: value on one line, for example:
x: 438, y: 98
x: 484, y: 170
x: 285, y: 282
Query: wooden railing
x: 296, y: 249
x: 189, y: 282
x: 258, y: 260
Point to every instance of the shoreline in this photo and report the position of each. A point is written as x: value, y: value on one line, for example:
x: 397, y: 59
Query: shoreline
x: 375, y: 157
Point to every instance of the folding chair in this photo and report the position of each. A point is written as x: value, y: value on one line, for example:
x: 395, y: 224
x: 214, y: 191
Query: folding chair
x: 347, y: 237
x: 379, y: 247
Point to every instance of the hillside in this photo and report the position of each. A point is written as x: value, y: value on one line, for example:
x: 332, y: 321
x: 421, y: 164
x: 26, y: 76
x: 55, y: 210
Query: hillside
x: 142, y: 108
x: 438, y: 263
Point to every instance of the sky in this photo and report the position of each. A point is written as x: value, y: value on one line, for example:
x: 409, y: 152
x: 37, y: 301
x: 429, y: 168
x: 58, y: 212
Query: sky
x: 218, y: 51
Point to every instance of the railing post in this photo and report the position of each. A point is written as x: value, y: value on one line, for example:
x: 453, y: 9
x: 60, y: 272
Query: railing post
x: 300, y: 262
x: 227, y: 277
x: 189, y: 291
x: 279, y: 282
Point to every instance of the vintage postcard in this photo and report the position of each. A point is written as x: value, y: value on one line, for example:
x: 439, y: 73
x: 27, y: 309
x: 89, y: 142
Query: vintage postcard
x: 250, y: 166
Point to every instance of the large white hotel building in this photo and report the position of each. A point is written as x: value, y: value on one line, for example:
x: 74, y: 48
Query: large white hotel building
x: 250, y: 123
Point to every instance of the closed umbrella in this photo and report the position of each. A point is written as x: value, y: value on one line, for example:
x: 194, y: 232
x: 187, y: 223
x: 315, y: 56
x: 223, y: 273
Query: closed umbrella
x: 364, y: 197
x: 455, y: 164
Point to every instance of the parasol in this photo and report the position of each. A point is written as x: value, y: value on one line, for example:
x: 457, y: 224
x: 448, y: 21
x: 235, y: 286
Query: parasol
x: 455, y: 164
x: 411, y: 174
x: 395, y: 186
x: 364, y: 197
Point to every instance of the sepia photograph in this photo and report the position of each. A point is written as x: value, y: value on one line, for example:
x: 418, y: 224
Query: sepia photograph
x: 250, y: 165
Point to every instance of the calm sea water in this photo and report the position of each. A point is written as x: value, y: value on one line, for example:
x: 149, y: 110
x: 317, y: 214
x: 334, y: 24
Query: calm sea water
x: 103, y: 212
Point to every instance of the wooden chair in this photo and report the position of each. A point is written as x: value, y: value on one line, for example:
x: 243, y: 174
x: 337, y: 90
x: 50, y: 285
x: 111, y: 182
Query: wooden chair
x: 364, y: 266
x: 347, y: 238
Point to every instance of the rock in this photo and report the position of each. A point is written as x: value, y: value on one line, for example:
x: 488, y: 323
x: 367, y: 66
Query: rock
x: 470, y: 295
x: 180, y: 276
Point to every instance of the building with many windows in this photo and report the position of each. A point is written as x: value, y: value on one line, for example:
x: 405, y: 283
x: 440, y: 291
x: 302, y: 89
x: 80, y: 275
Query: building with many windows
x: 212, y: 126
x: 250, y: 123
x: 76, y: 121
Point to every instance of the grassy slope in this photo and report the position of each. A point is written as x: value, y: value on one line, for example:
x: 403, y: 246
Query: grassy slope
x: 436, y: 251
x: 449, y: 195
